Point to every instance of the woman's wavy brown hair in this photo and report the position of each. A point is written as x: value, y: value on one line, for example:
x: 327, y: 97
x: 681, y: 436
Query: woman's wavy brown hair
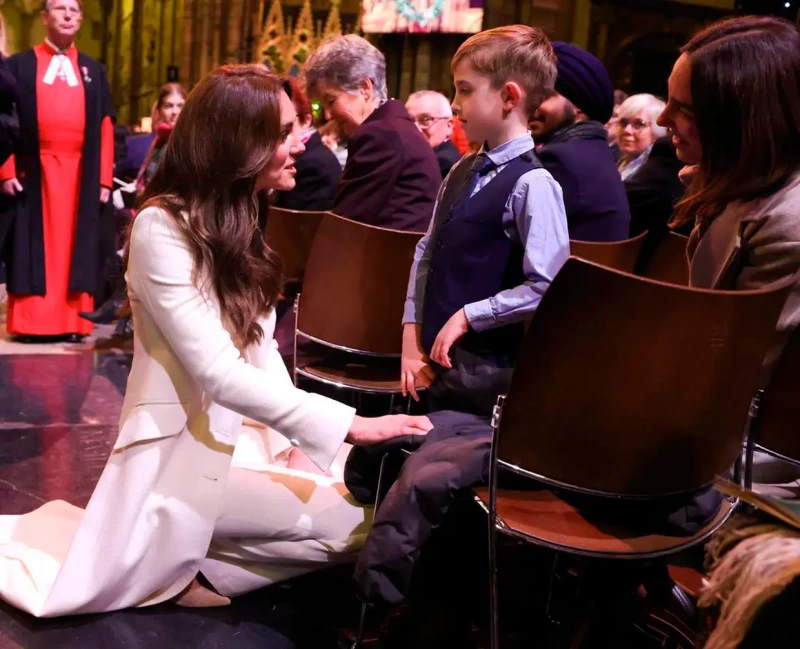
x: 227, y: 134
x: 746, y: 100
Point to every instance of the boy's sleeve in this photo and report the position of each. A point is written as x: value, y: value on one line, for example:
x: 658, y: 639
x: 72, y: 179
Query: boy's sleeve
x: 415, y: 296
x: 534, y: 216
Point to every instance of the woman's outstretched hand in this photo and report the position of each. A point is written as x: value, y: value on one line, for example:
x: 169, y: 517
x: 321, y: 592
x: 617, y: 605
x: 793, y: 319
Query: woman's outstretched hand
x: 373, y: 430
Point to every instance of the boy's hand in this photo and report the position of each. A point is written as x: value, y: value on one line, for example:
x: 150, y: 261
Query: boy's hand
x: 453, y: 331
x: 415, y: 369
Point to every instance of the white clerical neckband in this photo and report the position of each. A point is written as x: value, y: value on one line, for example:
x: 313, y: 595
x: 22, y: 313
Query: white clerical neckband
x: 61, y: 67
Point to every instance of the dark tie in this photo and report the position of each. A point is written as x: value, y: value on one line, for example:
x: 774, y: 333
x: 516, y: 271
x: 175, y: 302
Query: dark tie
x: 481, y: 166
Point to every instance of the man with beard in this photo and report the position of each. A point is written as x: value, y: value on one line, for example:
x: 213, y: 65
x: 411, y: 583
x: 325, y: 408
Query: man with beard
x: 572, y: 144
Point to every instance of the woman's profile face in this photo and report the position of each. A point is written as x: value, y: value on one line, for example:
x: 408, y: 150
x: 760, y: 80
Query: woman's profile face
x: 347, y: 109
x: 279, y: 174
x: 170, y: 108
x: 678, y: 116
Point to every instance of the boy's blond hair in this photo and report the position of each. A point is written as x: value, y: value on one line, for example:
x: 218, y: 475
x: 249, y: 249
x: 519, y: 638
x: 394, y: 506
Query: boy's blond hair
x: 512, y: 53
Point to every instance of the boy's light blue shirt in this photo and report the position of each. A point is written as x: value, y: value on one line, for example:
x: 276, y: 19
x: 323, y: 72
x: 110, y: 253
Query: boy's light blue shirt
x: 534, y: 216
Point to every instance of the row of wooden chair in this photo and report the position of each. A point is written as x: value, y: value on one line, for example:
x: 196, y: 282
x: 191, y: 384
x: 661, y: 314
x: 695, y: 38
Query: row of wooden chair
x: 609, y: 366
x: 355, y: 278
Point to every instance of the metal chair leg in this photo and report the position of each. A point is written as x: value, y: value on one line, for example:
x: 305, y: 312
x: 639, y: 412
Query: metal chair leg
x: 357, y: 641
x: 362, y: 618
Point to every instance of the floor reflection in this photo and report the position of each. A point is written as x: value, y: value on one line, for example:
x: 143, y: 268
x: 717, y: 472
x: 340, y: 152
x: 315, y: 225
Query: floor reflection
x: 58, y: 422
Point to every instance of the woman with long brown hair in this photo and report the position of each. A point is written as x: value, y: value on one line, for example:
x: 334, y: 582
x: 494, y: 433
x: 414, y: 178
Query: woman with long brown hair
x: 189, y: 490
x: 734, y: 115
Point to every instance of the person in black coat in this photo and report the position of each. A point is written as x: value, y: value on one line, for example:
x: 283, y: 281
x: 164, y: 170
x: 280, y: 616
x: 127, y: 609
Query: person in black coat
x: 433, y: 116
x: 391, y: 178
x: 9, y: 134
x: 318, y: 169
x: 569, y: 126
x: 654, y: 190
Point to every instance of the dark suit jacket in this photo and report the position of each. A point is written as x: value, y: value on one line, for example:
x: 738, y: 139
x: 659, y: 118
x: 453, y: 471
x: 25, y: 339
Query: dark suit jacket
x: 137, y: 148
x: 654, y: 190
x: 581, y: 161
x: 391, y: 177
x: 318, y: 173
x: 446, y: 155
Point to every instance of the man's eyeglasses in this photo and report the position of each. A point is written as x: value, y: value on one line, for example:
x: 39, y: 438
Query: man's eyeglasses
x: 427, y: 120
x: 637, y: 124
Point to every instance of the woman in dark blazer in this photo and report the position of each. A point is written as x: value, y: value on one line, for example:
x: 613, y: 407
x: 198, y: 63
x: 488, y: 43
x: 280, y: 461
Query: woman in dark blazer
x: 318, y: 169
x: 391, y: 177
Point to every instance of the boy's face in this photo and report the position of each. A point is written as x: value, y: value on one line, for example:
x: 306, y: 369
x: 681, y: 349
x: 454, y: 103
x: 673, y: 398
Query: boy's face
x: 478, y: 105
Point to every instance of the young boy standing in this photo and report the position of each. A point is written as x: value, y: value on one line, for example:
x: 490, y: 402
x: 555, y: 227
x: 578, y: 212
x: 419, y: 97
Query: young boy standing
x: 499, y: 231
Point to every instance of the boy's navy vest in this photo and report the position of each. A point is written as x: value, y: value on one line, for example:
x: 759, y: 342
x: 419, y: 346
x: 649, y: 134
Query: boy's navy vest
x: 473, y: 258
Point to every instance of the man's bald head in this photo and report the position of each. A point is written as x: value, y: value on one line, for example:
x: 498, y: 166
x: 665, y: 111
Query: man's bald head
x: 432, y: 112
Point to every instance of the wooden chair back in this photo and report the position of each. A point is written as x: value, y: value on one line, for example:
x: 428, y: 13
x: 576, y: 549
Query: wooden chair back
x: 619, y: 255
x: 290, y: 233
x: 668, y: 262
x: 634, y: 388
x: 779, y: 412
x: 355, y: 286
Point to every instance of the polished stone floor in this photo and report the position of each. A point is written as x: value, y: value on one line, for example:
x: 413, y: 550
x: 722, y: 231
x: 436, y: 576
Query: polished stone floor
x: 58, y: 421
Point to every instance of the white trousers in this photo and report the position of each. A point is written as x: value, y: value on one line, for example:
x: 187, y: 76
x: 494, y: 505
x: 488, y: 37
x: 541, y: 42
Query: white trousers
x: 277, y: 524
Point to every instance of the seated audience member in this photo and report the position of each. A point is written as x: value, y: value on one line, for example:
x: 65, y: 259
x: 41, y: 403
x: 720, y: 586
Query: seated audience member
x: 318, y: 169
x: 334, y: 139
x: 500, y: 206
x: 654, y: 191
x: 434, y: 117
x: 464, y: 320
x: 637, y: 131
x: 391, y: 176
x: 734, y: 112
x: 171, y: 98
x: 168, y: 106
x: 611, y: 125
x: 569, y: 126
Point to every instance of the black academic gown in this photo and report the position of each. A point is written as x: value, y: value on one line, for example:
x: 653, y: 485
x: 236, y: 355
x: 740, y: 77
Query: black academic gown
x: 24, y: 252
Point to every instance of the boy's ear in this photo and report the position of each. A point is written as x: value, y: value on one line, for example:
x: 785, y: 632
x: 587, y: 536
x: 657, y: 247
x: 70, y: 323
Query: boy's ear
x: 511, y: 94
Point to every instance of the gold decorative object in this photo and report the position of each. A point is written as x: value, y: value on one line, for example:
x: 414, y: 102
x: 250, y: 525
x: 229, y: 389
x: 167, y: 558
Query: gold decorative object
x: 272, y: 49
x: 284, y: 47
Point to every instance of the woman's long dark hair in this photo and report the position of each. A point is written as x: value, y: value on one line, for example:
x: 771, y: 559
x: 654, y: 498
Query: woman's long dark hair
x: 227, y: 134
x: 746, y: 99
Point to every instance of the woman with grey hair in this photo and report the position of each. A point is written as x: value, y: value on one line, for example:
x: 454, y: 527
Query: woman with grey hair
x: 391, y: 177
x: 637, y: 131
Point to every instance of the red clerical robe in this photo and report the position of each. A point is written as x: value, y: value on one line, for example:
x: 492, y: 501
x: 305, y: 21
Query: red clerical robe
x: 66, y: 124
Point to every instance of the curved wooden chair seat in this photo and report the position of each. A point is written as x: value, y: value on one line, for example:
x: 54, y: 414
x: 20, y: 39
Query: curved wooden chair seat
x: 689, y: 579
x: 619, y: 255
x: 541, y: 517
x: 370, y: 375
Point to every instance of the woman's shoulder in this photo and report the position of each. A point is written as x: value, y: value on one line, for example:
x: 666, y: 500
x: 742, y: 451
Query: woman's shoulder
x: 152, y: 225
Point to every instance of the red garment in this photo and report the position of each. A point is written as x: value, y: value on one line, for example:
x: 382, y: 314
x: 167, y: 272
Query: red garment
x: 62, y: 124
x: 459, y: 138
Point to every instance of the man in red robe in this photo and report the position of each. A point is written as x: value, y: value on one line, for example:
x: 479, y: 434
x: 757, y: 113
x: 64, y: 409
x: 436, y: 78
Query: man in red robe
x: 61, y: 174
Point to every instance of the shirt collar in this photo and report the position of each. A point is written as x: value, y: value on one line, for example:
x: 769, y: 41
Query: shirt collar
x: 54, y: 50
x: 507, y: 151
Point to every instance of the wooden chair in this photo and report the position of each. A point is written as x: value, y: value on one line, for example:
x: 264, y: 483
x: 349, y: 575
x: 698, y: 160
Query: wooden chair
x: 775, y: 412
x: 616, y: 396
x: 668, y: 263
x: 619, y: 255
x: 290, y: 233
x: 353, y: 296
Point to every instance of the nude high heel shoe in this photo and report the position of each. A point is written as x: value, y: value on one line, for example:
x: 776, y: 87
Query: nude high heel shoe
x: 198, y: 596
